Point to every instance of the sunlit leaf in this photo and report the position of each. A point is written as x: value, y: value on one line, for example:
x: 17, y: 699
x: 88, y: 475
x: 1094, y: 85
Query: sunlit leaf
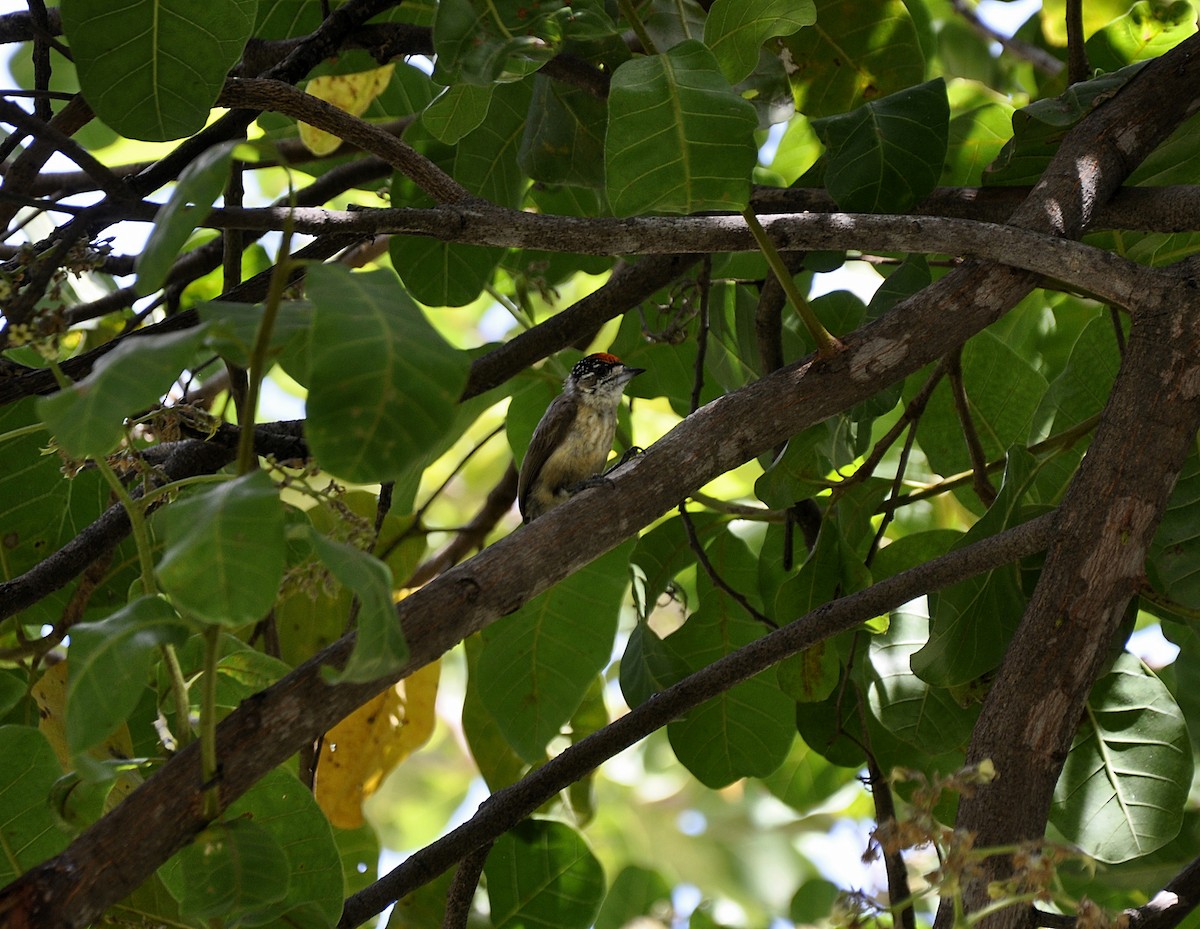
x: 679, y: 138
x: 736, y: 29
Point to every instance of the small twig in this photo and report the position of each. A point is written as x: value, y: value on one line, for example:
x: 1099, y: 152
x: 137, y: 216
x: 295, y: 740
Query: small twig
x: 1038, y: 57
x: 897, y: 483
x: 983, y: 487
x: 1077, y: 62
x: 704, y: 282
x: 462, y: 888
x: 911, y: 414
x: 718, y: 581
x: 899, y: 891
x: 1118, y: 330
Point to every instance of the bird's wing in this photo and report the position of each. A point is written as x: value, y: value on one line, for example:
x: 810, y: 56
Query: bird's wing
x: 547, y: 436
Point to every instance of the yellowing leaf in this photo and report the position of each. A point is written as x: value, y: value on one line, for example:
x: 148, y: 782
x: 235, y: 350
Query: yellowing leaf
x: 50, y: 695
x: 350, y: 92
x: 360, y: 751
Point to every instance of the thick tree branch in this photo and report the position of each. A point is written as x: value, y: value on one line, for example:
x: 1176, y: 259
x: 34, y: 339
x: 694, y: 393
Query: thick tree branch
x: 1114, y: 503
x: 505, y: 808
x: 103, y: 864
x: 1092, y: 270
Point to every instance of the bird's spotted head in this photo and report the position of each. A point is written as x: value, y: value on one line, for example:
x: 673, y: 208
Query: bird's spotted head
x: 600, y: 375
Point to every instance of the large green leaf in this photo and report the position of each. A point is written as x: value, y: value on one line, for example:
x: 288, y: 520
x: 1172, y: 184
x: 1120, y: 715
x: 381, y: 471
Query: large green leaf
x: 736, y: 29
x: 745, y: 731
x: 233, y: 871
x: 379, y: 648
x: 887, y: 155
x: 1003, y: 392
x: 87, y: 418
x: 563, y: 142
x: 537, y: 663
x: 841, y: 61
x: 28, y: 831
x: 383, y: 384
x: 110, y: 666
x: 680, y: 139
x: 189, y: 205
x: 224, y: 553
x: 457, y: 111
x: 1124, y: 785
x: 1146, y: 30
x: 1173, y: 562
x: 913, y: 710
x: 152, y: 69
x: 542, y: 873
x: 482, y: 41
x: 974, y: 141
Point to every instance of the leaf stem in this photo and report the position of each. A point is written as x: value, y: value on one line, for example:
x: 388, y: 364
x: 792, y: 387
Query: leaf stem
x: 639, y: 29
x: 258, y: 356
x: 208, y: 724
x: 827, y: 344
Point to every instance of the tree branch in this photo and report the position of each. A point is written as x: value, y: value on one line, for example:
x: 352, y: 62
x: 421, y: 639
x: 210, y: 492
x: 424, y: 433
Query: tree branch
x: 507, y: 807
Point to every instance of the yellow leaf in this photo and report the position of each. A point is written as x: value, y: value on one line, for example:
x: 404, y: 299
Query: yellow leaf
x: 360, y: 751
x: 350, y: 92
x: 50, y: 695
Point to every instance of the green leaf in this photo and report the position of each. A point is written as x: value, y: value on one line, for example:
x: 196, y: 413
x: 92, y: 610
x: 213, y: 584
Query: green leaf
x: 283, y: 807
x: 537, y: 664
x: 498, y: 764
x: 636, y: 892
x: 383, y: 384
x: 1124, y: 785
x: 973, y: 620
x: 1040, y: 127
x: 457, y: 111
x: 110, y: 667
x: 542, y: 873
x: 199, y: 186
x: 888, y: 154
x: 680, y: 139
x: 28, y: 771
x: 736, y: 29
x: 1003, y: 393
x: 12, y: 691
x: 975, y: 140
x: 839, y: 63
x: 1173, y: 562
x: 152, y: 69
x: 648, y: 666
x: 745, y: 731
x: 233, y: 870
x: 925, y: 716
x: 379, y: 648
x: 563, y: 142
x: 1146, y: 31
x: 87, y: 418
x: 224, y: 553
x: 234, y: 328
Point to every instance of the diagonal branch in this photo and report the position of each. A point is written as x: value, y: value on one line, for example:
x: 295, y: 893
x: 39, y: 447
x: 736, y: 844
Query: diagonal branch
x: 505, y: 808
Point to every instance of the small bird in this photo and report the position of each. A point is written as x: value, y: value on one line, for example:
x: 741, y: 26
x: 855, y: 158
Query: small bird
x: 571, y: 442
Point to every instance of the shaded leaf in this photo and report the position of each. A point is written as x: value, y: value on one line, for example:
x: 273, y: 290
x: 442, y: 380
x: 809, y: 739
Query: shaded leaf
x: 224, y: 552
x: 87, y: 418
x: 543, y: 873
x: 28, y: 832
x: 152, y: 69
x: 383, y: 383
x: 110, y: 666
x: 1123, y: 787
x: 887, y: 155
x: 736, y: 29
